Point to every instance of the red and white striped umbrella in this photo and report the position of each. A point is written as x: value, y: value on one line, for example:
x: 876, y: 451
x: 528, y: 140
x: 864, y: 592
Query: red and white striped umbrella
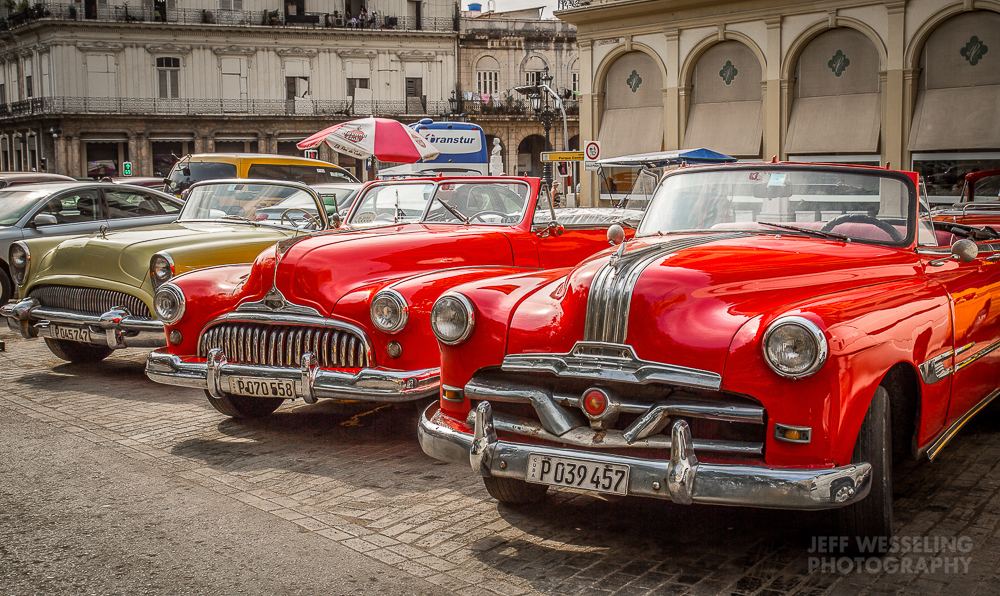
x: 388, y: 140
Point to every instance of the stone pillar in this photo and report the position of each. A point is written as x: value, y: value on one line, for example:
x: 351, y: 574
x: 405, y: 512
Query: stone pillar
x: 894, y: 96
x: 771, y: 90
x: 59, y: 158
x: 672, y: 138
x: 134, y: 156
x: 77, y: 166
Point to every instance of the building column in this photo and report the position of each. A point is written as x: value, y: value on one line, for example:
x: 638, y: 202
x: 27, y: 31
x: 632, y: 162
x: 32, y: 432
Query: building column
x: 773, y: 121
x: 894, y: 98
x: 671, y: 94
x: 77, y: 166
x: 59, y: 155
x: 134, y: 153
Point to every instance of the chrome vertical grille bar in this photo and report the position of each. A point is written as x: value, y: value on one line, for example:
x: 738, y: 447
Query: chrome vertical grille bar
x: 283, y: 345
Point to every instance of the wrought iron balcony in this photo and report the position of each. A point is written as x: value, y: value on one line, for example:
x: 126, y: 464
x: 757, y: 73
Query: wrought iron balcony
x: 198, y: 16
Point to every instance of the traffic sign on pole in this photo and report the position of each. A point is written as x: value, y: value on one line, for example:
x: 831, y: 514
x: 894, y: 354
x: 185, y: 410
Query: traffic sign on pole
x: 562, y: 156
x: 591, y: 153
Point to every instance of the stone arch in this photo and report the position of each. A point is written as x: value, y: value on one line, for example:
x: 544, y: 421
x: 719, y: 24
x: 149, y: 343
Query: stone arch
x: 818, y: 28
x: 601, y: 73
x: 530, y: 145
x: 532, y: 56
x: 699, y: 49
x: 632, y: 107
x: 911, y: 57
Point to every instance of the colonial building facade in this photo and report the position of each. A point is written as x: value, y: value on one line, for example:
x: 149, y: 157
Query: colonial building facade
x: 911, y: 83
x: 87, y: 86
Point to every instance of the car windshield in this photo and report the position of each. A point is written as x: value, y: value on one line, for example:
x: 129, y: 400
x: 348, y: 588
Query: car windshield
x: 15, y: 203
x: 867, y: 206
x: 186, y: 173
x: 274, y: 204
x: 479, y: 202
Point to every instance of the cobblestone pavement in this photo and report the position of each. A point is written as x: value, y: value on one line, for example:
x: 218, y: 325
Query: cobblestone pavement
x: 355, y: 474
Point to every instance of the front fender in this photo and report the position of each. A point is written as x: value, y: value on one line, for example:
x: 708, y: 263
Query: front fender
x: 869, y: 331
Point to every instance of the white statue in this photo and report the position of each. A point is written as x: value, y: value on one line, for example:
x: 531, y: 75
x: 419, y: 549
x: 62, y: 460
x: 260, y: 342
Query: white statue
x: 496, y: 162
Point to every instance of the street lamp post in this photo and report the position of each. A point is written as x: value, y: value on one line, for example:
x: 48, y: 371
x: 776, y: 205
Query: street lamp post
x: 538, y: 97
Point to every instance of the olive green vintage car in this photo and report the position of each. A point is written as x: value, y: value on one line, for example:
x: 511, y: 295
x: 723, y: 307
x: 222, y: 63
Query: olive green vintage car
x: 90, y: 295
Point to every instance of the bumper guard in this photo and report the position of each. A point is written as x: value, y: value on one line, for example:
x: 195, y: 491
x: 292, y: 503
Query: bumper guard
x: 116, y: 328
x: 682, y: 479
x: 311, y: 382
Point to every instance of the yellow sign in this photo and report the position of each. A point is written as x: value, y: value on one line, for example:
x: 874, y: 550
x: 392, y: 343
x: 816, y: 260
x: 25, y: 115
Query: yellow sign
x: 562, y: 156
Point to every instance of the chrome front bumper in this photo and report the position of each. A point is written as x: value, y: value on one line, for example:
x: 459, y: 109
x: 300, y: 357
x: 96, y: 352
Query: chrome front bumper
x: 311, y: 382
x: 116, y: 328
x: 681, y: 479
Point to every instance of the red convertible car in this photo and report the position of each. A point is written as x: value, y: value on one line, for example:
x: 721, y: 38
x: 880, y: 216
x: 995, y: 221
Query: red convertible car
x: 345, y: 314
x: 775, y: 335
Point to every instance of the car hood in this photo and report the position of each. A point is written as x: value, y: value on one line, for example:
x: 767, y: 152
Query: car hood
x: 124, y: 256
x: 318, y: 271
x: 691, y: 294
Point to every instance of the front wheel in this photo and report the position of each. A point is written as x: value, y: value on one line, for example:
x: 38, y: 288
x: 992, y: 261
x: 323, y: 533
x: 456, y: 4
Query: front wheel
x: 513, y: 491
x: 871, y: 518
x: 244, y: 406
x: 76, y: 352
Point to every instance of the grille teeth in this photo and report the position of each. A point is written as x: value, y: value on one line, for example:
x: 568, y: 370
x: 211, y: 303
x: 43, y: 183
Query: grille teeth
x: 91, y: 301
x: 284, y: 345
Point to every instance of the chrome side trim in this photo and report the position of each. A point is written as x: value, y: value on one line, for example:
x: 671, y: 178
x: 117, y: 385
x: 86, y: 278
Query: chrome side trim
x: 980, y: 354
x: 611, y: 362
x: 368, y: 384
x: 609, y: 439
x: 687, y: 480
x: 935, y: 370
x: 610, y: 298
x: 949, y: 433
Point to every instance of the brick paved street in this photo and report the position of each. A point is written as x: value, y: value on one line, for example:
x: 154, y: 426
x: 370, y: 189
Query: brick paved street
x: 354, y: 474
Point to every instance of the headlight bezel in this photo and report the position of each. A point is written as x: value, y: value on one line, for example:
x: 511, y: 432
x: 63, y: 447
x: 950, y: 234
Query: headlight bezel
x: 19, y: 278
x: 397, y: 299
x: 154, y: 278
x: 812, y: 330
x: 178, y: 295
x: 470, y: 314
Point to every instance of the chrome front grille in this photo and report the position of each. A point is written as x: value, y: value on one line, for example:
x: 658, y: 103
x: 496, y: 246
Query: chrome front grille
x: 283, y: 345
x: 91, y: 301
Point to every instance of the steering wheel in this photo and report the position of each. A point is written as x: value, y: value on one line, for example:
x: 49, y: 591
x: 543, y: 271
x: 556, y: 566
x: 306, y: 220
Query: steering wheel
x: 309, y: 217
x: 893, y: 233
x: 481, y: 213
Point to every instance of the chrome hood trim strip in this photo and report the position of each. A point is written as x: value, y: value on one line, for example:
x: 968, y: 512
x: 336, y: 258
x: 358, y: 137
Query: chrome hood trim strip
x: 610, y: 297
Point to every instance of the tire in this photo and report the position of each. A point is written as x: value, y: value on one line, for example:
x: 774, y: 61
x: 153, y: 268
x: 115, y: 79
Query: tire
x: 243, y: 406
x: 871, y: 518
x: 76, y: 352
x: 513, y: 491
x: 6, y: 286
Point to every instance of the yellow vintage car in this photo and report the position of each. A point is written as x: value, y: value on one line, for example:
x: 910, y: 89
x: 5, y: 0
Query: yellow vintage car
x: 88, y: 296
x: 259, y: 166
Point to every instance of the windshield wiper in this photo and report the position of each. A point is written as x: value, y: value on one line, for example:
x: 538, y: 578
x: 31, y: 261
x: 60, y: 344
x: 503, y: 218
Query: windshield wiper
x: 453, y: 210
x: 241, y: 218
x: 819, y: 233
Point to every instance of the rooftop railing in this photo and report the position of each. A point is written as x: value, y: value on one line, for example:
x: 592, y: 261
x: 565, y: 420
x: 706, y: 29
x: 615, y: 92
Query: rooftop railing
x: 236, y: 18
x: 517, y: 27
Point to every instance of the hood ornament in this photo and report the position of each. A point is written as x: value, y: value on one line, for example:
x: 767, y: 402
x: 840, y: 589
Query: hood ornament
x: 103, y: 231
x: 616, y: 235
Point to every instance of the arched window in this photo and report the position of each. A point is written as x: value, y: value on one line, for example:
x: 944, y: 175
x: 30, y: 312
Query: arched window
x: 633, y: 107
x: 488, y: 75
x: 726, y: 111
x: 534, y: 68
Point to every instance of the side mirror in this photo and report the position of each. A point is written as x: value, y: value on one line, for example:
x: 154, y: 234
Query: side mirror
x: 44, y: 219
x: 616, y: 235
x: 334, y: 220
x: 963, y: 251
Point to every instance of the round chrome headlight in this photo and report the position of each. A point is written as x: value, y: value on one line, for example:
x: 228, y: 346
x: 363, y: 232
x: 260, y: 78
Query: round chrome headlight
x: 20, y: 258
x: 389, y: 311
x: 161, y: 268
x: 168, y: 303
x: 452, y: 318
x: 794, y: 347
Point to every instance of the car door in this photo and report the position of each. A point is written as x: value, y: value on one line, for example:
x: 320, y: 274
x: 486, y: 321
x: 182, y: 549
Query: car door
x: 565, y: 248
x: 77, y: 211
x: 972, y: 289
x: 131, y: 208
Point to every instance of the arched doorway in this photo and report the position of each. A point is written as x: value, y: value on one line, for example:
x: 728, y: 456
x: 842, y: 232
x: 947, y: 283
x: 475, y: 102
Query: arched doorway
x: 955, y: 128
x: 726, y: 112
x: 836, y: 103
x: 529, y: 153
x: 632, y: 121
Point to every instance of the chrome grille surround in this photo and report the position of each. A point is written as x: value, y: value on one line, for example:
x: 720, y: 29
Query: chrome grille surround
x: 281, y: 341
x: 93, y: 301
x: 610, y: 297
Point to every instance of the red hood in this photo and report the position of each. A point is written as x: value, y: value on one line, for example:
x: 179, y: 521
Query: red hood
x: 319, y: 270
x: 688, y: 304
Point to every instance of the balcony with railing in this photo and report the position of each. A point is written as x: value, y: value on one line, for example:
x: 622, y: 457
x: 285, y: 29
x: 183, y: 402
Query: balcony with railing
x: 517, y: 27
x: 124, y: 13
x: 348, y: 108
x: 510, y: 107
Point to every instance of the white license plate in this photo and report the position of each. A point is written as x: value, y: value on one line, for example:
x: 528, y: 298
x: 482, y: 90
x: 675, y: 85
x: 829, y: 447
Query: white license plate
x: 578, y: 473
x: 70, y: 333
x: 256, y: 387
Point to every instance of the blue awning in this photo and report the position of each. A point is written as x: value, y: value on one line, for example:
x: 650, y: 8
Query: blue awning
x: 666, y: 158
